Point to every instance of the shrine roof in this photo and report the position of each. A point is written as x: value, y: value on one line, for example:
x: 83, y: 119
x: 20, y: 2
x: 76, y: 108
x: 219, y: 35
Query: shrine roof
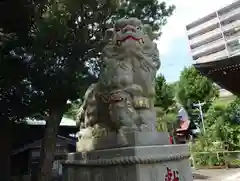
x: 225, y: 72
x: 228, y: 64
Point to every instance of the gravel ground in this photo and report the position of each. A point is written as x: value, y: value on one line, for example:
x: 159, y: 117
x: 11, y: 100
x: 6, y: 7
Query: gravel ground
x: 216, y: 174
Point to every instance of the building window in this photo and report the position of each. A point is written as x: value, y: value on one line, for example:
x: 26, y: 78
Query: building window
x: 234, y: 46
x: 233, y: 33
x: 57, y: 167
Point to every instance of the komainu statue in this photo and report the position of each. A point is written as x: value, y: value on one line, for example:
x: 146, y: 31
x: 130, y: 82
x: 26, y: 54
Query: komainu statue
x: 123, y: 97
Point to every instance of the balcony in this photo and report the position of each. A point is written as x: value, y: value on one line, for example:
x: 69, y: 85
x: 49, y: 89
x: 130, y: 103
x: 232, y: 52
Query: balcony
x: 230, y: 26
x: 208, y: 48
x: 234, y: 12
x: 213, y: 57
x: 233, y: 41
x: 203, y: 26
x: 234, y: 47
x: 206, y: 42
x: 205, y: 37
x: 235, y: 53
x: 232, y: 36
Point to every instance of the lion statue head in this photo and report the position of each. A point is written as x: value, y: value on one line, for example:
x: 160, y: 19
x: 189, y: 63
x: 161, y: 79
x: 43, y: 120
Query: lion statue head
x: 133, y: 37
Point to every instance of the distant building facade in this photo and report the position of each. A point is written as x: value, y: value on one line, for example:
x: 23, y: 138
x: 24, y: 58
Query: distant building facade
x: 215, y: 36
x: 224, y: 93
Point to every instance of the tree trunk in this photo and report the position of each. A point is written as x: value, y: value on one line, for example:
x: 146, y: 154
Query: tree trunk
x: 6, y: 150
x: 48, y: 146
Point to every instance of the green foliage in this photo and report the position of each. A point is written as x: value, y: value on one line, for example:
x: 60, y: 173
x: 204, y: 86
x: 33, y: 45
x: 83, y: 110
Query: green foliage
x: 193, y: 87
x: 58, y: 44
x: 231, y: 125
x: 233, y: 112
x: 221, y: 124
x: 205, y: 144
x: 214, y: 115
x: 152, y: 12
x: 208, y: 153
x: 225, y: 100
x: 208, y: 147
x: 165, y: 104
x: 56, y: 54
x: 222, y: 131
x: 73, y: 109
x: 169, y: 117
x: 164, y: 94
x: 167, y: 122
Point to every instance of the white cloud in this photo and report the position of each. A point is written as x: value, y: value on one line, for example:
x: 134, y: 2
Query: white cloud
x: 186, y: 11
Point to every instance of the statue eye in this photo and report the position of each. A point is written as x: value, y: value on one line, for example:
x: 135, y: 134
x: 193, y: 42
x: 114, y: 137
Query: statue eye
x: 138, y: 28
x: 117, y: 29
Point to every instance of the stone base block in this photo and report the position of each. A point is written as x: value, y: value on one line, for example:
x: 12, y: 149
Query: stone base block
x: 123, y: 139
x: 138, y: 163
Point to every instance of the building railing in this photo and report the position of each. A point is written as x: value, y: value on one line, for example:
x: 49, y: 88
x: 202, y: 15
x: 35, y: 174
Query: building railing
x: 207, y: 44
x: 208, y: 49
x: 202, y: 26
x: 230, y: 26
x: 229, y: 14
x: 205, y: 38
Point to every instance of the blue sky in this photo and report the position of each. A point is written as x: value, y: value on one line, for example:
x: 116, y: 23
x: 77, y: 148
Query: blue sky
x: 174, y: 61
x: 173, y: 44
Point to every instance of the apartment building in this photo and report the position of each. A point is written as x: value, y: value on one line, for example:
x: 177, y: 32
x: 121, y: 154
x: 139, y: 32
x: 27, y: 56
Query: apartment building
x: 215, y: 36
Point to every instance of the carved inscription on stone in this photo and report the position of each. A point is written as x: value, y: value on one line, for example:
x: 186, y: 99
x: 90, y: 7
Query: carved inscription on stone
x: 171, y: 175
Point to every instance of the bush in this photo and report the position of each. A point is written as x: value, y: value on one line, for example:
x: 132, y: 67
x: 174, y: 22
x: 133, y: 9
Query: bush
x: 234, y: 163
x: 204, y: 152
x: 222, y: 124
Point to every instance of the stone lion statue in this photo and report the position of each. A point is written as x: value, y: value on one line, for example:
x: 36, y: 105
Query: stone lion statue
x: 124, y: 93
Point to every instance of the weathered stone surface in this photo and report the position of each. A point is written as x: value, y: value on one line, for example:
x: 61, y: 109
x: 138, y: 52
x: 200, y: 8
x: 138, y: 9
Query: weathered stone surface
x: 140, y: 163
x: 117, y: 138
x: 124, y: 93
x: 123, y: 139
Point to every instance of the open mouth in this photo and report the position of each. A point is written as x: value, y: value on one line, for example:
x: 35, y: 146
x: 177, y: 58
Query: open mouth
x: 139, y: 40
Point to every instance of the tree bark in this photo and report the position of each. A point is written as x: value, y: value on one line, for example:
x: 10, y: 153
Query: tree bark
x: 48, y: 146
x: 6, y: 150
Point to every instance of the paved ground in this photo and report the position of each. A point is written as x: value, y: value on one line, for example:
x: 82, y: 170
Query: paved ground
x: 217, y: 175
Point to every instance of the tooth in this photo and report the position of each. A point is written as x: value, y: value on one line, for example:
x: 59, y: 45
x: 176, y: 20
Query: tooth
x: 118, y: 42
x: 140, y: 41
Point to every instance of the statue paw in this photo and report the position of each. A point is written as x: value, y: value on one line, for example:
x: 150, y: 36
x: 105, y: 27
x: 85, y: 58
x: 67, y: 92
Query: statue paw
x: 133, y: 128
x: 85, y: 133
x: 147, y: 128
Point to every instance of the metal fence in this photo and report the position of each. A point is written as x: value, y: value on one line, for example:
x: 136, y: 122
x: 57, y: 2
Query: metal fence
x: 215, y: 159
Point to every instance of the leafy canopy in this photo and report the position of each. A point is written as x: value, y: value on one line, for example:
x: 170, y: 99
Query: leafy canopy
x: 165, y: 104
x: 56, y: 55
x: 165, y: 95
x: 193, y: 87
x: 222, y: 124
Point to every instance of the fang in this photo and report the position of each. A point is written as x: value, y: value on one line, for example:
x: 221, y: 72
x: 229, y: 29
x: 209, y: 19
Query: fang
x: 118, y: 43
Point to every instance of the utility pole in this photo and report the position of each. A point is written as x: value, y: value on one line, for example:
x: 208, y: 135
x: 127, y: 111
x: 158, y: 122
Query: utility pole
x: 199, y: 106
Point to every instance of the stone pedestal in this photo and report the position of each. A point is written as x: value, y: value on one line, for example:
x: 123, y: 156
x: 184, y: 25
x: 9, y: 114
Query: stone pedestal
x: 142, y: 161
x: 123, y: 139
